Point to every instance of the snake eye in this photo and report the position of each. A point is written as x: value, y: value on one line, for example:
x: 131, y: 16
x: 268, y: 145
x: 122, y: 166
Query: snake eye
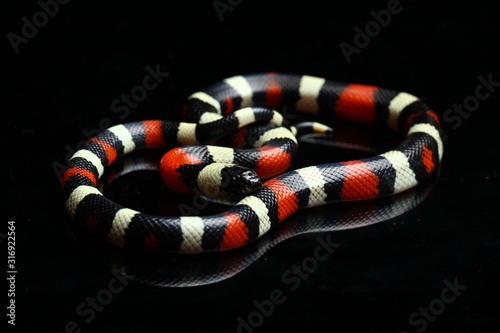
x: 239, y: 180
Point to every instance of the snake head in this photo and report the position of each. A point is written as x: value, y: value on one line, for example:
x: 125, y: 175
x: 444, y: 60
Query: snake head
x: 223, y: 180
x: 187, y: 170
x: 239, y: 180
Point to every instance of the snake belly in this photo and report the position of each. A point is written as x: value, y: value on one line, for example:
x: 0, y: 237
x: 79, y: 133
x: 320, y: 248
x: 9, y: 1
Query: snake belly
x: 209, y: 112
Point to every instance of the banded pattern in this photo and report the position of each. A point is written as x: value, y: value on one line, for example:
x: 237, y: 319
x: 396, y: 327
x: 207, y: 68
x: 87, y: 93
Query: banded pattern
x: 230, y: 105
x: 190, y: 271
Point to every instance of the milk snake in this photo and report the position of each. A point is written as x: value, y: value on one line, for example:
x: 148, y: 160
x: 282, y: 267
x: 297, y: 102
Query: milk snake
x: 231, y: 105
x: 345, y: 222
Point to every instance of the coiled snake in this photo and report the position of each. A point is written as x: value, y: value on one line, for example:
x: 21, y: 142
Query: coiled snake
x: 229, y: 106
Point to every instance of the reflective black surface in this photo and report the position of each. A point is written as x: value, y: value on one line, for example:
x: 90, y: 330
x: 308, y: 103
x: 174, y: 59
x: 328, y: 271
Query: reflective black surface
x: 434, y: 268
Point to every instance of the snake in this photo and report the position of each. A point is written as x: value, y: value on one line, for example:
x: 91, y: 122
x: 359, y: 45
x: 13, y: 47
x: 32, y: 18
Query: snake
x: 343, y: 222
x: 256, y: 166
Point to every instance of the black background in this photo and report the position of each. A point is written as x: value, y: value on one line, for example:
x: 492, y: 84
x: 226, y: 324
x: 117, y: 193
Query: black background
x: 65, y: 78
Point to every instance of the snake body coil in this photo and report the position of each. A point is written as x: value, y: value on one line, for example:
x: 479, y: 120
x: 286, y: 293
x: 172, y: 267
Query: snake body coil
x: 230, y: 105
